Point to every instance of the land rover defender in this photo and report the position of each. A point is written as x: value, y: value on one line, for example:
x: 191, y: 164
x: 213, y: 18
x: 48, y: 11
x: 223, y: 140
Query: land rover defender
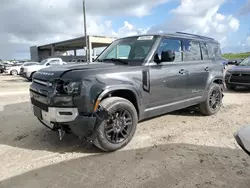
x: 133, y: 79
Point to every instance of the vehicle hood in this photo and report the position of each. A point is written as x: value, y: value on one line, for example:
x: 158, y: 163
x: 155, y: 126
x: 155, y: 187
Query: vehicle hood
x: 58, y: 71
x: 34, y: 66
x: 14, y: 67
x: 236, y: 69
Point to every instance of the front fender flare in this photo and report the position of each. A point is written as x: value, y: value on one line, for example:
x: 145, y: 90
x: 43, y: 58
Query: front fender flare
x: 111, y: 89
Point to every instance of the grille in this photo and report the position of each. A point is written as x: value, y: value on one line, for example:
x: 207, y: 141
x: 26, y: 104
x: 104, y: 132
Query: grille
x: 240, y: 78
x: 39, y: 105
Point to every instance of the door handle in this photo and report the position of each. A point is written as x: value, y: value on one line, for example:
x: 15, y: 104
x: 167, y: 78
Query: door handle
x: 182, y: 71
x: 206, y: 69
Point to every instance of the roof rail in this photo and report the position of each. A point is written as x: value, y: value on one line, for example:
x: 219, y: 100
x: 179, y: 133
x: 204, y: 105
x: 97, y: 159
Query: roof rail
x: 195, y: 35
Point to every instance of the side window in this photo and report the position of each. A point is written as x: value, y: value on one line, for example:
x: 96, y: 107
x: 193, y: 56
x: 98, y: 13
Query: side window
x: 214, y: 51
x: 191, y: 50
x: 204, y: 51
x: 122, y: 51
x: 173, y: 45
x: 54, y: 62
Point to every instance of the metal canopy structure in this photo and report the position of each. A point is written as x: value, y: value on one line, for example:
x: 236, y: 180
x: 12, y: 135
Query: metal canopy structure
x: 79, y: 43
x: 41, y: 52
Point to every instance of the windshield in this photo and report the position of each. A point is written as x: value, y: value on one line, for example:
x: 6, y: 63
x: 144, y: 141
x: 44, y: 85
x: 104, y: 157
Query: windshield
x: 245, y: 62
x: 44, y: 62
x: 131, y: 49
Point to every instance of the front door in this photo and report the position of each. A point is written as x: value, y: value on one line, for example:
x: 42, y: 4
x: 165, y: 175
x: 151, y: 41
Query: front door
x: 168, y: 79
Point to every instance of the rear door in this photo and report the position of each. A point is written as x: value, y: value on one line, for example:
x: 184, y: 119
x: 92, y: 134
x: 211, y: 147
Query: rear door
x: 195, y: 55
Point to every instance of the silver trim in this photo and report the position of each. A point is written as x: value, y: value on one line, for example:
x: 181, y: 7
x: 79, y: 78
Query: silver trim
x: 48, y: 84
x: 53, y: 115
x: 171, y: 104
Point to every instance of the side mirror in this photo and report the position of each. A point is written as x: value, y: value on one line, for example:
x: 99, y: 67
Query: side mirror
x: 166, y: 56
x: 48, y: 64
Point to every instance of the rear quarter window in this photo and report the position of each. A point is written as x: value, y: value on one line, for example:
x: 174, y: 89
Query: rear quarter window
x: 214, y: 51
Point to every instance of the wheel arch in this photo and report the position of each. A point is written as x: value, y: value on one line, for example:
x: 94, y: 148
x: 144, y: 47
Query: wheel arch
x: 128, y: 93
x: 218, y: 81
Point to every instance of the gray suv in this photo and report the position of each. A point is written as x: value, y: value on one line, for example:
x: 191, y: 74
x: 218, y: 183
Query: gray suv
x: 133, y: 79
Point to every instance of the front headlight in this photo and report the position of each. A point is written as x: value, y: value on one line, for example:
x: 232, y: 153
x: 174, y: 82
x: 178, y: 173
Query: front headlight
x: 7, y: 68
x: 72, y: 87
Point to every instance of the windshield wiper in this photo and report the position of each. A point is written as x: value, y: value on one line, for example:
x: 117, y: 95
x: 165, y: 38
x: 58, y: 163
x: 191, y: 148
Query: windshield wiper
x: 114, y: 59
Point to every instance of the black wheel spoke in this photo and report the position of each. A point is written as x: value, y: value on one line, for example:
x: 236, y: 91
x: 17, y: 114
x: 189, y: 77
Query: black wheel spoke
x: 128, y: 119
x: 123, y: 113
x: 124, y: 136
x: 214, y: 99
x: 128, y: 123
x: 109, y: 126
x: 125, y: 131
x: 110, y: 131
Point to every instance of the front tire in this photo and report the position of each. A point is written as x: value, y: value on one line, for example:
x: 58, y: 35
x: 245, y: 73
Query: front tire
x: 213, y: 101
x: 13, y: 72
x: 117, y: 131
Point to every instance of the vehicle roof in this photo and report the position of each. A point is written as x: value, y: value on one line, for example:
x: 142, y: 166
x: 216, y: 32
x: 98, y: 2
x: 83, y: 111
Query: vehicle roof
x: 180, y: 35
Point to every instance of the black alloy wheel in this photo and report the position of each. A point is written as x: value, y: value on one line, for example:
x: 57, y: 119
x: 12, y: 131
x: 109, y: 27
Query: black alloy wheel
x: 215, y: 99
x: 118, y: 129
x: 118, y: 126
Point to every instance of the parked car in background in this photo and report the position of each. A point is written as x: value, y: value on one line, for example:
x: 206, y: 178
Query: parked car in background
x: 225, y: 62
x: 28, y: 72
x: 16, y: 69
x: 235, y: 61
x: 3, y: 66
x: 77, y: 61
x: 238, y: 75
x: 133, y: 79
x: 242, y: 137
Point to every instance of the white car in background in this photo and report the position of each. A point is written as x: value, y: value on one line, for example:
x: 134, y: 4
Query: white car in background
x: 28, y: 72
x: 15, y: 70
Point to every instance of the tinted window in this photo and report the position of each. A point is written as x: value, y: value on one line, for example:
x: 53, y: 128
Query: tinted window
x: 170, y: 45
x: 214, y: 51
x: 204, y: 51
x: 121, y: 51
x: 54, y: 62
x: 131, y: 49
x: 191, y: 51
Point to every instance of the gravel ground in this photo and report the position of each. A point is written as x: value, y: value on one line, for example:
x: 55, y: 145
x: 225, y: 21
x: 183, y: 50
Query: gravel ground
x: 181, y: 149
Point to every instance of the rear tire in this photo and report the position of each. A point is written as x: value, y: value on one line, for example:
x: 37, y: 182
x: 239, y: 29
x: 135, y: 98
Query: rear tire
x: 13, y: 72
x: 213, y: 102
x: 117, y: 131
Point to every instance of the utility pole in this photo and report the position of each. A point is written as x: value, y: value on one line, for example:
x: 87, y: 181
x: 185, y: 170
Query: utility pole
x: 85, y: 32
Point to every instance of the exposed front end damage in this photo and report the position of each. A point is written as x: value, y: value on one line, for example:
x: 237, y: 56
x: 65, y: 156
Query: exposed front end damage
x: 85, y: 127
x: 61, y: 111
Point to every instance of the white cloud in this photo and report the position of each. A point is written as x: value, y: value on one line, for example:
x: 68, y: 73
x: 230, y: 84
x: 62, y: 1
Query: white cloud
x: 201, y: 17
x: 30, y: 22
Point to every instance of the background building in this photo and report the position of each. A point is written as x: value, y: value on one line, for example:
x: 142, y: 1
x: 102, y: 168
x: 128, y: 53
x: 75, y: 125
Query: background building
x: 61, y: 49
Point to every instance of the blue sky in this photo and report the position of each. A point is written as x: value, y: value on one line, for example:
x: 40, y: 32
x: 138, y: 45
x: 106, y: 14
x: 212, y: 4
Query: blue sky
x: 45, y: 21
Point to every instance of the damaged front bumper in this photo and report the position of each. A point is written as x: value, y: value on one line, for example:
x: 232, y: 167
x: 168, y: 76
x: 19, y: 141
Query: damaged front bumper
x: 69, y: 120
